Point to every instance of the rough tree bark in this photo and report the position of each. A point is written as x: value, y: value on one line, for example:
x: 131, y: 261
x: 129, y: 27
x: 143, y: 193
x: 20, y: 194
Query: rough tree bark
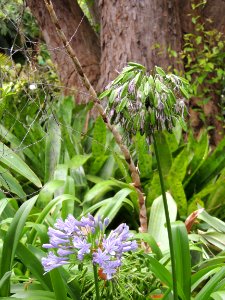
x: 139, y: 31
x: 131, y: 30
x: 81, y: 36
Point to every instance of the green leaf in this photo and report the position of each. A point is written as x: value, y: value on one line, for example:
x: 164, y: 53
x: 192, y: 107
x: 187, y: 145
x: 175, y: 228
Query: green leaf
x: 133, y: 64
x: 184, y: 92
x: 13, y: 161
x: 203, y: 275
x: 78, y: 161
x: 160, y: 71
x: 48, y: 208
x: 210, y: 286
x: 3, y: 204
x: 11, y: 240
x: 147, y: 238
x: 99, y: 189
x: 111, y: 209
x: 33, y: 295
x: 122, y: 104
x: 16, y: 143
x: 212, y: 221
x: 160, y: 270
x: 32, y: 263
x: 157, y: 220
x: 122, y: 167
x: 219, y: 295
x: 10, y: 183
x: 144, y: 157
x: 211, y: 167
x: 52, y: 148
x: 4, y: 278
x: 104, y: 94
x: 164, y: 153
x: 99, y: 138
x: 179, y: 165
x: 58, y: 285
x: 182, y: 255
x: 177, y: 191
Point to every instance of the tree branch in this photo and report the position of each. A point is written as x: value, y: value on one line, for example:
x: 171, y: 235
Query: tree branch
x: 81, y: 36
x: 134, y: 173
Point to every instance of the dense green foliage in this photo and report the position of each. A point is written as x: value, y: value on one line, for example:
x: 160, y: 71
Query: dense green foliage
x: 57, y: 160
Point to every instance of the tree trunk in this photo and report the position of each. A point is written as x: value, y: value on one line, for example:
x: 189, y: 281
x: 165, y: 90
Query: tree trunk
x: 81, y: 36
x: 140, y: 31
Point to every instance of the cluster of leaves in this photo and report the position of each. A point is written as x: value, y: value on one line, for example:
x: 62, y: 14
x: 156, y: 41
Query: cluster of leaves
x: 204, y: 54
x: 18, y: 29
x: 193, y: 173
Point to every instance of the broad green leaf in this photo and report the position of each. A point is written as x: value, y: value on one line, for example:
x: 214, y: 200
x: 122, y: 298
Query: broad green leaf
x: 182, y: 257
x: 210, y: 286
x: 147, y: 238
x: 10, y: 183
x: 99, y: 189
x: 33, y: 295
x: 97, y: 164
x: 203, y: 275
x: 4, y: 278
x: 11, y: 240
x: 41, y: 218
x: 160, y: 71
x: 52, y: 148
x: 157, y: 220
x: 179, y: 165
x: 68, y: 205
x: 177, y: 192
x: 212, y: 221
x: 13, y: 161
x: 111, y: 209
x: 58, y: 285
x: 104, y: 94
x: 144, y: 157
x: 219, y: 295
x: 215, y: 238
x: 3, y: 204
x: 78, y: 161
x: 33, y: 264
x: 99, y: 138
x: 163, y: 274
x: 164, y: 153
x: 123, y: 167
x: 16, y: 143
x: 211, y: 167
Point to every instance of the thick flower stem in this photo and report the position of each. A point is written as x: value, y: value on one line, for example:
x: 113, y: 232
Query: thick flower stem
x: 96, y: 282
x: 169, y: 230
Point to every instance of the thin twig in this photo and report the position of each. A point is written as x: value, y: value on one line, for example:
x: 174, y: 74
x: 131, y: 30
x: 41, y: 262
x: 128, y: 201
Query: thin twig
x: 118, y: 138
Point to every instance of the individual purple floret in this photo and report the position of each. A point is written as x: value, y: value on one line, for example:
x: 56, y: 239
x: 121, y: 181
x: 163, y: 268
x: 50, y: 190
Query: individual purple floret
x: 52, y: 261
x: 113, y: 247
x: 72, y: 239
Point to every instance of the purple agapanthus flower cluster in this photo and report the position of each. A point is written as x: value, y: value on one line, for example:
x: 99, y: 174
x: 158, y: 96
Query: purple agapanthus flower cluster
x: 72, y: 239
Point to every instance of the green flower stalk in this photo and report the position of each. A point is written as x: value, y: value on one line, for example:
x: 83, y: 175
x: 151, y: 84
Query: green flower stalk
x: 145, y: 103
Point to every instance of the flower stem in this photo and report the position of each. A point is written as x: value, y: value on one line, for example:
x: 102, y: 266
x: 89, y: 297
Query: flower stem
x: 169, y: 230
x: 96, y: 282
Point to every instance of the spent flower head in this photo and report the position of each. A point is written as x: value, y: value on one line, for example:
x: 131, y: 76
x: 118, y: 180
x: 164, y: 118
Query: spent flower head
x: 75, y: 240
x: 143, y: 103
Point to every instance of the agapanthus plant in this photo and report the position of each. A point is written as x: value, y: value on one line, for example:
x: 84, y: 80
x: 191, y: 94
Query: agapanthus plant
x: 75, y: 240
x: 141, y: 102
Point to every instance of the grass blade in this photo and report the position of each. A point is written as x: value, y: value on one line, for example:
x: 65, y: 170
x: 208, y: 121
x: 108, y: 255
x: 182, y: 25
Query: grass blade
x: 183, y: 258
x: 13, y: 161
x: 11, y: 241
